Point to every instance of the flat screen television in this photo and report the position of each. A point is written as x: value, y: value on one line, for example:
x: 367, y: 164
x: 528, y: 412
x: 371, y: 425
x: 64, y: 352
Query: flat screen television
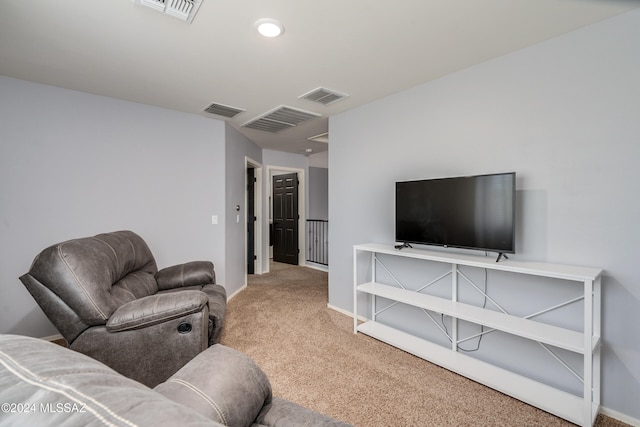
x: 471, y: 212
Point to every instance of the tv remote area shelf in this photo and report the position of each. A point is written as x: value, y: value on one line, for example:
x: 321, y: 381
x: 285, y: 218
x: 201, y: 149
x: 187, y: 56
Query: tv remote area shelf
x: 581, y: 410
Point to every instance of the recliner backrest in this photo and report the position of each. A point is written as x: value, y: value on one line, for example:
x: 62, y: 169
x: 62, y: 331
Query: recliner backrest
x: 93, y: 276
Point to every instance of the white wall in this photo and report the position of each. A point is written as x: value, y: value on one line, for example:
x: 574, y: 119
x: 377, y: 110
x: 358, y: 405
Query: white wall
x: 564, y: 115
x: 238, y: 148
x: 319, y: 160
x: 318, y: 193
x: 274, y: 159
x: 74, y: 165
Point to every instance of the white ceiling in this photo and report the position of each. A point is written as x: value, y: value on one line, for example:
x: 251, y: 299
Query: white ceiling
x: 365, y: 48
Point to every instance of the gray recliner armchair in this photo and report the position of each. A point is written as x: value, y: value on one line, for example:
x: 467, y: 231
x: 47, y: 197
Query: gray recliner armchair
x: 109, y: 301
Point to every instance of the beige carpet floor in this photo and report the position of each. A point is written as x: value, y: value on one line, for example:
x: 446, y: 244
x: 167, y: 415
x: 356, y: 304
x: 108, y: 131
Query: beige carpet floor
x: 312, y: 357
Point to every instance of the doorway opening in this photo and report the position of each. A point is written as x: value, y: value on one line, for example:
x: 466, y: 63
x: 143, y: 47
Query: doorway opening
x: 253, y: 218
x: 296, y: 217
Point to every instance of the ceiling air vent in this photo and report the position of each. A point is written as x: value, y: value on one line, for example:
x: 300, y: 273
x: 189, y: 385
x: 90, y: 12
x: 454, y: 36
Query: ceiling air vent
x: 181, y: 9
x: 223, y: 110
x: 280, y: 118
x: 323, y: 96
x: 323, y: 137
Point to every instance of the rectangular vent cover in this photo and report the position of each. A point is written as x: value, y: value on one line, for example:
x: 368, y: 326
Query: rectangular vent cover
x: 280, y: 118
x: 223, y: 110
x: 181, y: 9
x: 323, y: 137
x: 323, y: 96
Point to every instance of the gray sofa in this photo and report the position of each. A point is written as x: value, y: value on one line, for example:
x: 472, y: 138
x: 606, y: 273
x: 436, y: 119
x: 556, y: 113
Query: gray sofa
x: 43, y: 384
x: 108, y: 300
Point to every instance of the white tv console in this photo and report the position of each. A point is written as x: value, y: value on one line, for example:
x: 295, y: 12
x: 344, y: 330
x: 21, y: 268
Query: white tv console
x: 581, y: 410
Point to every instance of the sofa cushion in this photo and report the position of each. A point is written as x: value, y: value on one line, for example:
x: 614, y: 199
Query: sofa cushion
x: 45, y: 384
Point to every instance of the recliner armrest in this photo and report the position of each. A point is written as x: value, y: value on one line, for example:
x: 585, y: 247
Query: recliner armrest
x: 155, y: 309
x: 188, y: 274
x: 221, y: 383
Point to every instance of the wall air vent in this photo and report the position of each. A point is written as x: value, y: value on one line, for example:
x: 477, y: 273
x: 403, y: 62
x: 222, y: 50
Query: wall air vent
x: 181, y: 9
x: 323, y: 96
x: 280, y: 118
x: 223, y: 110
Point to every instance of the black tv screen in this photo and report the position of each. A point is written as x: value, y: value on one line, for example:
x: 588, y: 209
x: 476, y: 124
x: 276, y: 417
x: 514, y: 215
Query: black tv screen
x: 472, y: 212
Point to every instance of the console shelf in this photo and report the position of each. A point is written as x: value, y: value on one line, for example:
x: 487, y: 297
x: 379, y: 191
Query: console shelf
x: 581, y: 410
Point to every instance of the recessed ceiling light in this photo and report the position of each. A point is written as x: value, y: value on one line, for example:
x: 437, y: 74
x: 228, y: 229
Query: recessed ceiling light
x: 269, y: 27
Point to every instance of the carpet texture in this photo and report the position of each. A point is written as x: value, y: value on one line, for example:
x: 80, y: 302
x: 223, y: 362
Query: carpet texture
x: 312, y: 357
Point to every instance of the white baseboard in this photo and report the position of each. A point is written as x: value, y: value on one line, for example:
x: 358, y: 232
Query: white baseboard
x: 315, y: 266
x: 345, y: 312
x: 620, y: 416
x: 236, y: 293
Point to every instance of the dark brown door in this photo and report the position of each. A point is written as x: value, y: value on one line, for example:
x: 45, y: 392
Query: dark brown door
x: 251, y: 220
x: 285, y: 218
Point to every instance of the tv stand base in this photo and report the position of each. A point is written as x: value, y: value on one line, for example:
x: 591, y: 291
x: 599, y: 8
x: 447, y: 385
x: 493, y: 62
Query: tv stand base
x: 403, y: 245
x: 501, y: 255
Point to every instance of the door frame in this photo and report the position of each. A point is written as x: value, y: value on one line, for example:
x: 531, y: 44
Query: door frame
x: 258, y: 238
x: 302, y: 230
